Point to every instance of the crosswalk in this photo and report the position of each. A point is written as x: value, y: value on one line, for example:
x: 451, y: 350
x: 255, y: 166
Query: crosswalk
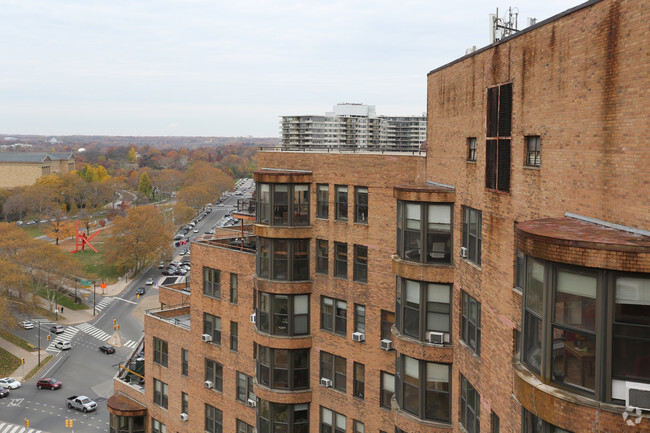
x: 104, y: 303
x: 6, y: 427
x: 131, y: 344
x: 93, y: 331
x: 67, y: 335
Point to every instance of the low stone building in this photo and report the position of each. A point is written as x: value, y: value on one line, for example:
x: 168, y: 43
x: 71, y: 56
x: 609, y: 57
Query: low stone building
x: 24, y: 168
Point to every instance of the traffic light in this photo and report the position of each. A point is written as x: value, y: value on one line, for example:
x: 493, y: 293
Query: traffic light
x: 69, y: 423
x: 26, y: 422
x: 48, y: 338
x: 22, y: 360
x: 114, y: 321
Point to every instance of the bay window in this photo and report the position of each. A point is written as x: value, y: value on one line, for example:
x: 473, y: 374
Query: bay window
x: 283, y: 314
x: 283, y: 259
x: 424, y: 232
x: 283, y: 204
x: 423, y: 388
x: 422, y: 307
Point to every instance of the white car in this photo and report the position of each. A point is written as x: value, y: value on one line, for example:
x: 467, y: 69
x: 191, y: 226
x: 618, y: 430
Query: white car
x: 196, y: 230
x: 10, y: 383
x: 26, y: 324
x: 63, y: 345
x: 149, y: 282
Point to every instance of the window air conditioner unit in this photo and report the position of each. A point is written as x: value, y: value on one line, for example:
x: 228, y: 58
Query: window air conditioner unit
x: 358, y: 336
x: 436, y: 337
x: 463, y: 252
x: 637, y: 395
x: 253, y: 318
x: 386, y: 344
x: 184, y: 416
x: 206, y: 338
x: 208, y: 384
x: 251, y: 403
x: 327, y: 383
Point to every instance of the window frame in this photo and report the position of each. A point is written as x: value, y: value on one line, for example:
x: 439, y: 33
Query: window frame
x: 247, y: 390
x: 358, y: 380
x: 406, y: 311
x: 470, y: 323
x: 211, y: 282
x: 266, y: 361
x: 498, y: 137
x: 386, y: 333
x: 185, y: 362
x: 421, y: 240
x: 471, y: 149
x: 234, y: 336
x: 277, y: 264
x: 322, y: 261
x: 234, y: 288
x: 385, y: 394
x: 213, y: 419
x: 360, y: 266
x: 472, y: 234
x: 341, y: 260
x: 361, y: 204
x: 270, y: 323
x: 470, y: 406
x: 333, y: 425
x: 322, y: 203
x: 339, y: 321
x: 341, y: 201
x: 214, y: 373
x: 426, y: 396
x: 160, y: 352
x: 242, y: 427
x: 214, y: 330
x: 268, y: 425
x: 157, y: 426
x: 334, y: 368
x: 360, y: 318
x: 161, y: 393
x: 533, y: 151
x: 185, y: 403
x: 293, y: 213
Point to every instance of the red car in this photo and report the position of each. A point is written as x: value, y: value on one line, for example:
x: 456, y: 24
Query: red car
x: 48, y: 383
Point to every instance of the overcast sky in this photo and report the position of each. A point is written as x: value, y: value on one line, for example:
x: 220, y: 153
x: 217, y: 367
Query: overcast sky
x: 225, y: 68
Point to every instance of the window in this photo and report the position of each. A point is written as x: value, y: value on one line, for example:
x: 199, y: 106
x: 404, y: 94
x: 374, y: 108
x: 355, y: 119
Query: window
x: 533, y: 424
x: 497, y: 146
x: 283, y: 368
x: 245, y: 387
x: 334, y: 315
x: 360, y: 264
x: 185, y: 402
x: 360, y: 318
x: 160, y: 393
x: 340, y: 260
x: 242, y: 427
x: 283, y: 204
x: 212, y: 282
x: 359, y: 380
x: 331, y: 422
x: 533, y: 151
x: 471, y: 323
x: 185, y: 359
x: 212, y: 327
x: 234, y: 288
x: 213, y: 419
x: 286, y: 418
x: 387, y: 321
x: 496, y: 424
x: 472, y: 234
x: 422, y: 307
x: 470, y: 407
x: 322, y: 255
x: 334, y: 368
x: 341, y: 203
x: 471, y: 149
x: 127, y: 423
x: 423, y: 388
x: 214, y: 373
x: 234, y: 333
x: 283, y: 314
x: 160, y: 352
x: 283, y: 259
x: 533, y: 314
x: 157, y: 426
x: 361, y: 204
x: 520, y: 270
x: 323, y: 201
x: 358, y: 427
x: 387, y: 389
x: 424, y: 224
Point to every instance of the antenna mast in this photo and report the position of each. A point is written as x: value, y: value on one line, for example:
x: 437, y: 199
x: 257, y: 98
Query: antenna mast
x: 505, y: 26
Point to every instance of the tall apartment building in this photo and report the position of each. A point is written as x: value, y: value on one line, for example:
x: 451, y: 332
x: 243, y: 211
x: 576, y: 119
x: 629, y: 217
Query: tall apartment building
x: 501, y: 283
x: 352, y: 125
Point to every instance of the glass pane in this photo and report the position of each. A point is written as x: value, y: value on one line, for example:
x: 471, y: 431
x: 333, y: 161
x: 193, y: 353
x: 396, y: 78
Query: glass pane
x: 573, y: 357
x: 575, y: 300
x: 535, y: 286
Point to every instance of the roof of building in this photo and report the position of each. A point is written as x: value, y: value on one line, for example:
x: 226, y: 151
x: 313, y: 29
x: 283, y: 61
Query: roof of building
x: 34, y: 156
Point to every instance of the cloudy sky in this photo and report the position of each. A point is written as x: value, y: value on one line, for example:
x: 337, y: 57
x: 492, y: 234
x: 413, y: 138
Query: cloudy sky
x: 225, y: 68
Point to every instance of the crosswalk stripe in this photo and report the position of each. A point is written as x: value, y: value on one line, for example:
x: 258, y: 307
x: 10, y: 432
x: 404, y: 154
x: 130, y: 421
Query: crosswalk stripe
x: 94, y: 331
x: 14, y: 428
x: 131, y: 344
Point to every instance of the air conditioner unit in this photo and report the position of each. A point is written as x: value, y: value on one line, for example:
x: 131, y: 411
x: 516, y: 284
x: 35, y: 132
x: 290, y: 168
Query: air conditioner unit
x: 206, y: 338
x: 436, y: 337
x: 386, y: 344
x: 637, y: 395
x: 251, y: 403
x: 184, y: 416
x: 208, y: 384
x: 253, y: 318
x: 327, y: 383
x: 358, y: 336
x: 463, y: 252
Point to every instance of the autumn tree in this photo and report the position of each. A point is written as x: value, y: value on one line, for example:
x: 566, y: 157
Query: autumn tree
x: 144, y: 187
x: 58, y: 229
x: 132, y: 157
x: 93, y: 173
x: 139, y: 239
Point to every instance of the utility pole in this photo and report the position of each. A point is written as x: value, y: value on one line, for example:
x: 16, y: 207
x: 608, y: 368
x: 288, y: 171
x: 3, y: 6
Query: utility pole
x: 39, y: 342
x: 94, y: 286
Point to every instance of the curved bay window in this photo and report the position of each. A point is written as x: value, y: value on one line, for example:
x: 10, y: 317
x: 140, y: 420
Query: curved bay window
x: 283, y: 314
x: 568, y: 313
x: 285, y: 418
x: 422, y: 307
x: 283, y: 259
x: 423, y: 388
x: 424, y: 232
x: 127, y: 424
x: 283, y: 368
x: 280, y: 204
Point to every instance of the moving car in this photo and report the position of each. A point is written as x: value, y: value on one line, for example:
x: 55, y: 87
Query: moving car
x: 81, y: 402
x: 63, y: 345
x: 48, y: 383
x: 10, y: 383
x: 3, y: 392
x: 149, y: 282
x: 107, y: 349
x: 140, y: 291
x: 57, y: 329
x: 26, y: 324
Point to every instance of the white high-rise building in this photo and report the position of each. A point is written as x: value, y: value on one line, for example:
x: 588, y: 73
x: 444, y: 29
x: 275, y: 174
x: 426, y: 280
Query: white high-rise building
x: 353, y: 125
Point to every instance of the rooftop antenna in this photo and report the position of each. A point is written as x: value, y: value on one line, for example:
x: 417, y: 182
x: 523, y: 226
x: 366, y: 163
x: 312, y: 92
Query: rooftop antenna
x: 502, y: 27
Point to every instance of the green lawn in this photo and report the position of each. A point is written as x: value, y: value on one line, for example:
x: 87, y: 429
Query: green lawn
x: 64, y: 301
x: 93, y: 264
x: 8, y: 363
x: 16, y: 340
x: 33, y: 230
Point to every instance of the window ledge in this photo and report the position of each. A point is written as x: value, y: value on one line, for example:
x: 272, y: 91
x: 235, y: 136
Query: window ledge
x: 518, y: 291
x: 470, y: 350
x: 471, y: 161
x: 533, y: 167
x: 471, y: 263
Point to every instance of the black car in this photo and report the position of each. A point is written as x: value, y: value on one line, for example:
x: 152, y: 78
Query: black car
x: 140, y: 291
x: 3, y: 392
x: 107, y: 349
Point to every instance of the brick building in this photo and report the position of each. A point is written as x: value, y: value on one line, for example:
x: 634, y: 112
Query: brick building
x: 499, y: 283
x: 25, y: 168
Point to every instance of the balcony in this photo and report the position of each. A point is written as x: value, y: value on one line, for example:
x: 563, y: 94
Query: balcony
x: 175, y: 315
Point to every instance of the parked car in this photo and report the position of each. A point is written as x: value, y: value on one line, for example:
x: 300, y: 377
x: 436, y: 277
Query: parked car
x: 140, y: 291
x: 48, y: 383
x: 26, y: 324
x: 161, y: 265
x: 9, y: 383
x: 81, y: 402
x: 149, y: 282
x: 107, y: 349
x: 57, y: 329
x: 63, y: 345
x: 196, y: 230
x: 3, y: 392
x: 168, y: 271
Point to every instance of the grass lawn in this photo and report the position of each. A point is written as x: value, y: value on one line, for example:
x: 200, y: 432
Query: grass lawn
x: 16, y: 340
x: 8, y: 363
x: 93, y: 264
x: 32, y: 230
x: 65, y: 301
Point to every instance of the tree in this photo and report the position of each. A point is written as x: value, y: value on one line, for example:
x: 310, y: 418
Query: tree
x: 144, y: 186
x: 58, y: 229
x: 132, y: 157
x: 139, y: 239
